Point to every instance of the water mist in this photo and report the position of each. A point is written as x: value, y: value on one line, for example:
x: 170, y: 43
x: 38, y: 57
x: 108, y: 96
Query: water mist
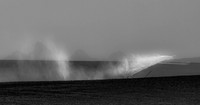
x: 61, y: 60
x: 43, y: 60
x: 133, y: 64
x: 47, y: 50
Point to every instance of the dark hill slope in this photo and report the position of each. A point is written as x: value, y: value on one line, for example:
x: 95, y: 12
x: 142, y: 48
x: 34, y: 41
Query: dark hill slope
x: 161, y: 70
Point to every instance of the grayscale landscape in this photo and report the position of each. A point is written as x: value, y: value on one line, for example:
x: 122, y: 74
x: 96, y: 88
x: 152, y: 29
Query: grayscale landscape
x: 99, y: 52
x: 163, y: 89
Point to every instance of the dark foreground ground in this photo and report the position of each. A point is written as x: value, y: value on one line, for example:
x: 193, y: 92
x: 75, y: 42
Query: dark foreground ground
x: 184, y: 90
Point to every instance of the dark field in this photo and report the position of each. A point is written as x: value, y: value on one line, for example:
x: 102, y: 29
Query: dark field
x: 183, y: 90
x: 174, y: 90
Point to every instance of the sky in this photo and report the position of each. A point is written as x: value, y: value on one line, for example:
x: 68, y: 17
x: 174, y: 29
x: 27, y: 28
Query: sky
x: 102, y: 27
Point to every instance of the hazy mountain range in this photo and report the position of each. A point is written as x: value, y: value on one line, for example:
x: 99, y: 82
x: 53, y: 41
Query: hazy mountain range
x: 188, y: 60
x: 40, y: 51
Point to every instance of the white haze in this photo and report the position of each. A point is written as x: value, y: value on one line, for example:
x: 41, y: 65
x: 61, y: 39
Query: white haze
x: 61, y: 70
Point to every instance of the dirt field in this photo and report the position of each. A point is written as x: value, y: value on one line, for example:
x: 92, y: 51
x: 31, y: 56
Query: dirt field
x: 146, y: 91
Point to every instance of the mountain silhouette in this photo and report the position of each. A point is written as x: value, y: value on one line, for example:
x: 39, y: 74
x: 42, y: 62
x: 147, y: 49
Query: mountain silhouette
x: 37, y: 51
x: 188, y: 60
x: 117, y: 56
x: 81, y: 55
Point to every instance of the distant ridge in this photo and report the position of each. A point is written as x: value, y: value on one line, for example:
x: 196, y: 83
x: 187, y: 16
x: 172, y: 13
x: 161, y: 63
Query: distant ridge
x: 117, y: 56
x: 81, y: 55
x: 188, y: 60
x: 169, y: 69
x: 38, y: 51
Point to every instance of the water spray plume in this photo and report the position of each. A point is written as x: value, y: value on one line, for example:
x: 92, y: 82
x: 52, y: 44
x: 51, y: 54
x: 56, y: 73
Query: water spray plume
x: 49, y: 50
x: 61, y: 58
x: 45, y: 50
x: 136, y: 63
